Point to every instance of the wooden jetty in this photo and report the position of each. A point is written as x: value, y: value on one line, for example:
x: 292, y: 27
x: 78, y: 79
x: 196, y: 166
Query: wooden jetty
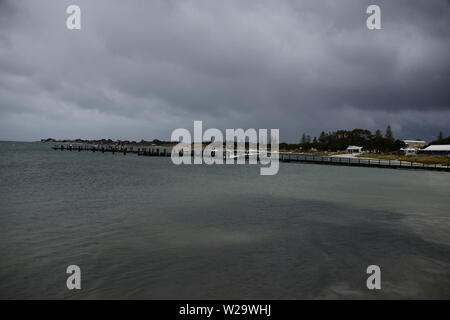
x: 360, y: 162
x: 156, y: 151
x: 159, y: 151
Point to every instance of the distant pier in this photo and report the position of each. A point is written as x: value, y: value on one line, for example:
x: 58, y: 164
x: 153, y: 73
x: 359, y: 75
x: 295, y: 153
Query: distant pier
x: 155, y: 151
x: 160, y: 151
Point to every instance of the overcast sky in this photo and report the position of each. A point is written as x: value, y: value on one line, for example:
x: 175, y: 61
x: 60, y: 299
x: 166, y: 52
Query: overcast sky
x: 140, y: 69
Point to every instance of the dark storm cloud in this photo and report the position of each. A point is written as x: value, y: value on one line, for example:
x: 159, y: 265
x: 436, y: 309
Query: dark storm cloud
x: 141, y: 70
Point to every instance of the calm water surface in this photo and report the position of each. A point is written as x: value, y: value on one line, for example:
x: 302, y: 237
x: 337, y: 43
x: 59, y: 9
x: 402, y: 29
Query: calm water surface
x: 140, y: 227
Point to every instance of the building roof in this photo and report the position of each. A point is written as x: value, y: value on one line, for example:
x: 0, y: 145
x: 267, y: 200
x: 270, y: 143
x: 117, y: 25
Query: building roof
x: 438, y: 147
x: 413, y: 141
x: 354, y: 147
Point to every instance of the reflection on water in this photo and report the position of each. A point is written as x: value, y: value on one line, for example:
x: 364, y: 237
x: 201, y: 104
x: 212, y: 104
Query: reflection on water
x: 140, y: 227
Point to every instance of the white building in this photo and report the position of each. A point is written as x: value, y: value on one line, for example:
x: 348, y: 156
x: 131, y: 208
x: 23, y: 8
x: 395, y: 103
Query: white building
x: 414, y: 144
x: 354, y: 149
x: 409, y: 151
x: 438, y: 149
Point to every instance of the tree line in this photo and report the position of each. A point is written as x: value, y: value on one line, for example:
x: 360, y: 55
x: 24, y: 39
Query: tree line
x: 339, y: 140
x: 441, y: 139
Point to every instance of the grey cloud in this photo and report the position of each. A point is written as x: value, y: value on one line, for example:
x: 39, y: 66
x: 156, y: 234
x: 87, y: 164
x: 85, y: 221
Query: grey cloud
x: 153, y: 66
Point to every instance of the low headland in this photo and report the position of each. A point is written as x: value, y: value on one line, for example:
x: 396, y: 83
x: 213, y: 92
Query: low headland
x: 374, y: 145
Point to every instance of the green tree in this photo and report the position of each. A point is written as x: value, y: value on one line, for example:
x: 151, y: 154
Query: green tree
x: 398, y: 144
x: 378, y: 134
x: 308, y: 138
x: 389, y: 134
x: 303, y: 139
x: 322, y: 137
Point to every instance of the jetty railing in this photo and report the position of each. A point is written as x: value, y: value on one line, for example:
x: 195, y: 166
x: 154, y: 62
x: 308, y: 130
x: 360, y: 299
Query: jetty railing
x: 364, y: 162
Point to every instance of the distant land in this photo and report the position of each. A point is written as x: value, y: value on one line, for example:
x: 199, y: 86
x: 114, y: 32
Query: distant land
x: 327, y: 141
x: 154, y: 142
